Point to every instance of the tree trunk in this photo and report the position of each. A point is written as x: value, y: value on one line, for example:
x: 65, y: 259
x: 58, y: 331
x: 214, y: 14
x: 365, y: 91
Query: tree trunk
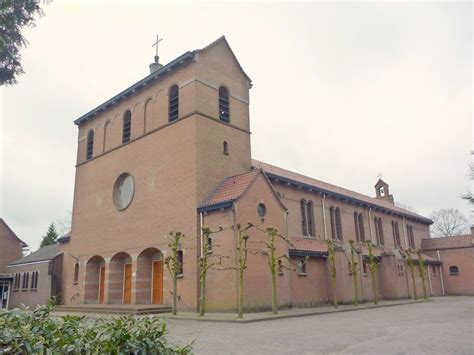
x: 202, y: 298
x: 175, y: 294
x: 374, y: 286
x: 241, y: 294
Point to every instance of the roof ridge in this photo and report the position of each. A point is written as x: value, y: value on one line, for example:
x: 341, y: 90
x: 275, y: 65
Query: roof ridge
x: 344, y: 191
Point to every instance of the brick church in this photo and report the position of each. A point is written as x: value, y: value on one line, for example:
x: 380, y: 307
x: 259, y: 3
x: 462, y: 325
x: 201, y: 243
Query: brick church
x: 172, y: 153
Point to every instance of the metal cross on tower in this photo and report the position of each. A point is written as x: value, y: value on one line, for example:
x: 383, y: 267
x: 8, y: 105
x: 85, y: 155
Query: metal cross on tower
x: 158, y: 40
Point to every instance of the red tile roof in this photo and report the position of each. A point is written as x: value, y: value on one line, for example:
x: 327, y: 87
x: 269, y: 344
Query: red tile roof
x: 271, y: 169
x: 232, y: 188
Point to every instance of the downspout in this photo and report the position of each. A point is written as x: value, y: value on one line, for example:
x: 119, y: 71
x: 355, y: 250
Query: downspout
x: 429, y: 280
x: 441, y: 274
x: 285, y: 216
x: 201, y: 252
x: 324, y: 218
x: 370, y: 226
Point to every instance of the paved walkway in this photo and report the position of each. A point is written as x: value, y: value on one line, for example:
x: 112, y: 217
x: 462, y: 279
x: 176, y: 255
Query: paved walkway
x: 442, y: 326
x: 286, y: 313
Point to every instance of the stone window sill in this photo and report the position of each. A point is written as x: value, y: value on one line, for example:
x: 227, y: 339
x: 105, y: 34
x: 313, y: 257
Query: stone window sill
x: 302, y: 274
x: 180, y: 276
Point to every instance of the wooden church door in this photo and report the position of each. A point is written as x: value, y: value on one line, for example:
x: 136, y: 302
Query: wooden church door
x: 101, y: 284
x: 127, y: 284
x: 157, y: 292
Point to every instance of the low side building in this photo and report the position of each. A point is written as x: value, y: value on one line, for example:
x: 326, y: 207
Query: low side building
x: 457, y: 257
x: 11, y: 249
x: 36, y: 277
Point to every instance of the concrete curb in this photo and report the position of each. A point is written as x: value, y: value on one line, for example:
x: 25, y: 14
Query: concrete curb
x: 266, y: 316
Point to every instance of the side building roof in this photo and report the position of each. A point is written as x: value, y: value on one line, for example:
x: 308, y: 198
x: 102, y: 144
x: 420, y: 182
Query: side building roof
x: 286, y: 176
x: 48, y: 252
x: 12, y: 233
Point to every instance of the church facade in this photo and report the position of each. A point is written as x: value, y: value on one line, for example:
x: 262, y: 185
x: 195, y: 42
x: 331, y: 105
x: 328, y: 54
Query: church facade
x: 172, y: 153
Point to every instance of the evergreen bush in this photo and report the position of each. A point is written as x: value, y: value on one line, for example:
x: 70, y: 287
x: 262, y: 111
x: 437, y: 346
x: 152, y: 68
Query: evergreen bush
x: 38, y: 332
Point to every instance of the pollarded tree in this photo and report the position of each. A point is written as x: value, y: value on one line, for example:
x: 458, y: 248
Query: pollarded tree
x: 412, y: 271
x: 174, y: 264
x: 273, y: 259
x: 205, y: 264
x: 373, y: 271
x: 332, y: 269
x: 242, y: 252
x: 353, y: 271
x: 421, y: 270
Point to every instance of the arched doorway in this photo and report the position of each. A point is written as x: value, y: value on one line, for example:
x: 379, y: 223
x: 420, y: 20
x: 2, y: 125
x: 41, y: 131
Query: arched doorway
x: 94, y: 286
x: 120, y: 279
x: 150, y: 277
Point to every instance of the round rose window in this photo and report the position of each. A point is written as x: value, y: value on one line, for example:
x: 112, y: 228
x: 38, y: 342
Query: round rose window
x: 124, y: 190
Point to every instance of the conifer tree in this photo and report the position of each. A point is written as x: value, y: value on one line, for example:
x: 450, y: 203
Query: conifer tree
x: 51, y: 236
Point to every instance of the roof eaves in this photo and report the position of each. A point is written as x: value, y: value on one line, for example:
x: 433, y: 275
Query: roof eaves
x: 184, y: 58
x: 308, y: 253
x: 64, y: 239
x: 216, y: 206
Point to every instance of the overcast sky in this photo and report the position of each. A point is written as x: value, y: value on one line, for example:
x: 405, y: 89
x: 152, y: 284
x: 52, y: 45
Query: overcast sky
x: 342, y: 92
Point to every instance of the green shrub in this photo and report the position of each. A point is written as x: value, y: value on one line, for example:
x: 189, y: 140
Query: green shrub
x: 37, y: 332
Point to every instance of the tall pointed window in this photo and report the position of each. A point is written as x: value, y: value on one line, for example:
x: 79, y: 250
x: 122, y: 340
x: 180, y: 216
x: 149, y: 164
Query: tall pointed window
x: 332, y: 215
x: 411, y: 238
x: 173, y: 103
x: 356, y: 226
x: 90, y: 144
x: 76, y: 273
x: 377, y: 231
x: 361, y: 228
x: 309, y: 210
x: 224, y: 114
x: 126, y: 127
x: 396, y: 234
x: 338, y: 223
x: 180, y: 261
x: 304, y: 228
x: 382, y: 242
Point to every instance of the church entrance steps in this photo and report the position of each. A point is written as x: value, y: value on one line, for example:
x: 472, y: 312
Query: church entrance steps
x: 112, y: 309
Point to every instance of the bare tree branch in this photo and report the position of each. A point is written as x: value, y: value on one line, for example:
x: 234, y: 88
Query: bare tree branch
x: 448, y: 222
